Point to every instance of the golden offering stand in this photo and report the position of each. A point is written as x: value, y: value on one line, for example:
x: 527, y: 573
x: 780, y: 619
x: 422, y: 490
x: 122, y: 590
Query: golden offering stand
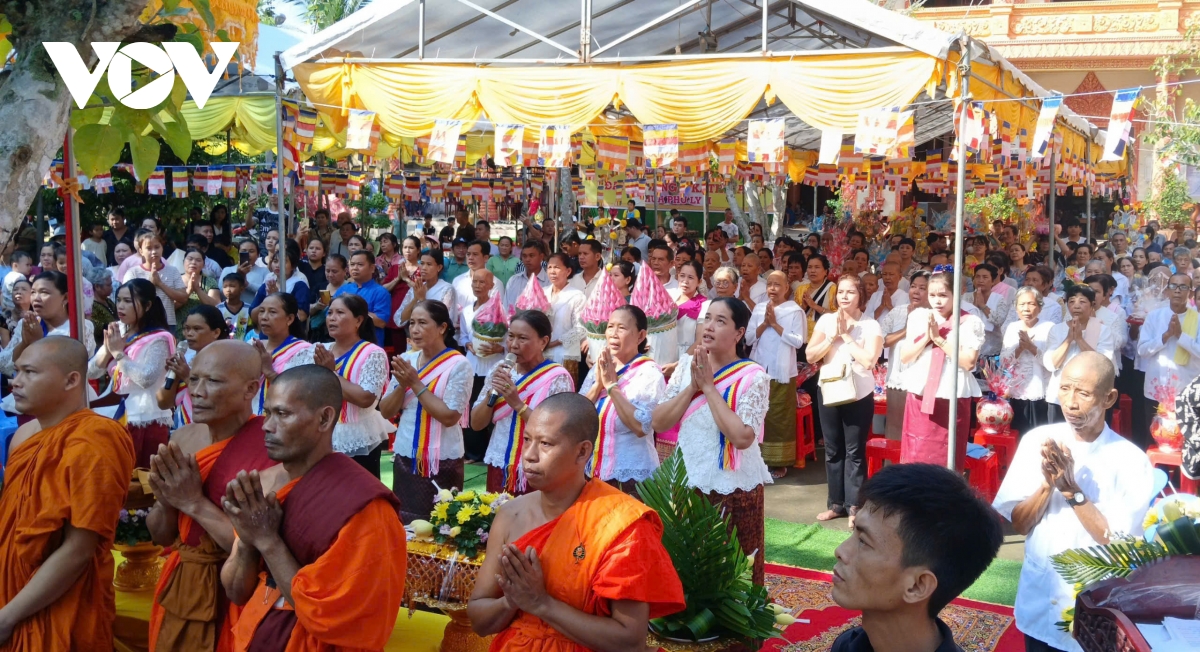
x: 142, y: 563
x: 440, y: 578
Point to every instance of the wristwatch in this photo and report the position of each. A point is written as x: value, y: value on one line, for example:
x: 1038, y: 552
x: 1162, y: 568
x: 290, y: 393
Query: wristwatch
x: 1077, y: 499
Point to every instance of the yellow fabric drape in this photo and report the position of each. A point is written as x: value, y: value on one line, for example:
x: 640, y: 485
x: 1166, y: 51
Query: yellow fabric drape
x: 570, y: 96
x: 252, y: 119
x: 830, y: 91
x: 706, y: 99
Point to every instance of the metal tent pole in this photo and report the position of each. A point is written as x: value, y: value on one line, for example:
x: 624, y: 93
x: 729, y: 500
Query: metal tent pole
x: 1087, y: 188
x: 964, y: 72
x: 71, y: 225
x: 279, y: 79
x: 1050, y: 207
x: 705, y: 229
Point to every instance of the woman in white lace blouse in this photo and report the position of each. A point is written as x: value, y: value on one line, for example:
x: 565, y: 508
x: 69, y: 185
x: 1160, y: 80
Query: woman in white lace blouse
x: 1024, y: 346
x: 720, y: 443
x: 566, y: 304
x: 430, y: 389
x: 625, y: 385
x: 361, y: 432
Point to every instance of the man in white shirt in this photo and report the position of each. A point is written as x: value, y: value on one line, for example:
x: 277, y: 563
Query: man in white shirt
x: 255, y: 273
x: 731, y: 230
x: 994, y: 307
x: 533, y: 254
x: 590, y: 256
x: 477, y: 258
x: 1071, y: 485
x: 660, y: 259
x: 637, y: 236
x: 752, y: 290
x: 1167, y: 344
x: 887, y: 297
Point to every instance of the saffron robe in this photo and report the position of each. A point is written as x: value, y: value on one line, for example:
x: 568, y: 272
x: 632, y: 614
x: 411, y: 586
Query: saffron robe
x: 78, y: 472
x: 343, y: 527
x: 605, y: 547
x: 191, y: 611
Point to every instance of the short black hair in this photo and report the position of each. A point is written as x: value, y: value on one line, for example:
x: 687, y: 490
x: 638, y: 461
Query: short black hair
x: 944, y: 525
x: 339, y: 258
x: 660, y: 245
x: 236, y: 277
x: 860, y: 251
x: 907, y: 241
x: 534, y: 243
x: 20, y: 255
x: 365, y: 252
x: 795, y: 257
x: 196, y: 240
x: 1077, y: 289
x: 321, y: 387
x: 503, y: 238
x: 594, y: 245
x: 484, y: 247
x: 633, y: 251
x: 986, y: 267
x: 576, y: 416
x: 1106, y: 281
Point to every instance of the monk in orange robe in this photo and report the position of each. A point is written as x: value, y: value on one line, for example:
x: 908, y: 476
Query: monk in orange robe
x: 191, y: 612
x: 318, y: 563
x: 576, y: 564
x: 61, y: 497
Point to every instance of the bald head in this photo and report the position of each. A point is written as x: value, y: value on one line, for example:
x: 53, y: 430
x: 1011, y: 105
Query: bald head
x: 778, y: 276
x: 60, y: 353
x: 572, y: 414
x: 238, y: 359
x: 482, y: 282
x: 223, y: 382
x: 1093, y: 368
x: 314, y: 385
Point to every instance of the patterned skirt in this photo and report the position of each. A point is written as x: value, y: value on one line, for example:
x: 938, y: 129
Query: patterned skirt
x: 416, y: 493
x: 779, y: 437
x: 745, y: 510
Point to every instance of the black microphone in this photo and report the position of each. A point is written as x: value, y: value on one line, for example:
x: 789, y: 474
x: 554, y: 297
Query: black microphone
x: 180, y: 350
x: 509, y: 360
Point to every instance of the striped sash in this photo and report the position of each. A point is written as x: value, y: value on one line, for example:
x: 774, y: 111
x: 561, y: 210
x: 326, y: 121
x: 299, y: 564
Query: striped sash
x: 604, y: 457
x: 347, y: 366
x: 729, y: 380
x: 427, y: 434
x: 279, y: 357
x: 528, y: 386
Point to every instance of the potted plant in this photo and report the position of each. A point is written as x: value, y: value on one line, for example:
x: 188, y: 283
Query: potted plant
x: 462, y: 519
x: 722, y: 599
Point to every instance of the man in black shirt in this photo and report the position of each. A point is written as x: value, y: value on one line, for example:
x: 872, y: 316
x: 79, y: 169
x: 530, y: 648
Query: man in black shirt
x: 921, y: 537
x: 118, y: 232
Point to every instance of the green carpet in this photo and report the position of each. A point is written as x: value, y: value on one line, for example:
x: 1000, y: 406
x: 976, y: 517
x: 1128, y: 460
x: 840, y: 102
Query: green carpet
x: 811, y: 546
x: 806, y: 545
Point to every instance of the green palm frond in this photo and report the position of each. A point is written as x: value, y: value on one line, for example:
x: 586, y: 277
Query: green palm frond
x: 323, y: 13
x: 1119, y: 558
x: 716, y: 574
x: 1181, y: 536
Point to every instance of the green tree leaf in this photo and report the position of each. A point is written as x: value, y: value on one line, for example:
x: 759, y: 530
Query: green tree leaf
x: 170, y: 5
x: 98, y: 148
x: 206, y: 13
x: 90, y: 115
x: 145, y: 150
x: 222, y: 35
x: 193, y: 38
x: 179, y: 93
x: 136, y: 120
x: 176, y: 134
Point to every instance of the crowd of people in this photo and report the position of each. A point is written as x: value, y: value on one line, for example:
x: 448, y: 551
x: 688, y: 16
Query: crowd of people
x: 233, y: 385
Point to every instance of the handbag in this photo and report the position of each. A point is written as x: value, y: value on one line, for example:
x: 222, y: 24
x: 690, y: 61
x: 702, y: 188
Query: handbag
x: 837, y: 384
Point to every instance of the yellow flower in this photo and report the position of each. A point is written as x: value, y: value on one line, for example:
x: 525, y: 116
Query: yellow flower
x: 1151, y: 519
x: 441, y: 511
x: 465, y: 514
x: 485, y: 510
x: 613, y: 235
x: 488, y: 498
x: 455, y: 531
x: 465, y: 497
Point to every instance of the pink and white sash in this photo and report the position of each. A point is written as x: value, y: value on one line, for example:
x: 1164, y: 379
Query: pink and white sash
x: 426, y: 450
x: 532, y: 388
x: 731, y: 381
x: 349, y: 366
x: 604, y: 457
x: 133, y: 348
x: 290, y: 348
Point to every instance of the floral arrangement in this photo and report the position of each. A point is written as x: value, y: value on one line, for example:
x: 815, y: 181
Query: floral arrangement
x: 490, y: 324
x: 1164, y: 427
x: 613, y: 226
x: 131, y: 527
x: 910, y: 223
x: 650, y: 295
x: 838, y: 250
x: 880, y: 373
x: 1164, y: 393
x: 533, y: 297
x: 462, y: 519
x: 604, y: 300
x: 1000, y: 379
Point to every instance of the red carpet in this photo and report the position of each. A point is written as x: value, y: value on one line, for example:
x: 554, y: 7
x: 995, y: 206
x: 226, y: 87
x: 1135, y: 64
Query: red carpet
x: 977, y: 626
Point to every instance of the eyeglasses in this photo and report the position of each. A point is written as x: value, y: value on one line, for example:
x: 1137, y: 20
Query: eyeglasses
x: 1178, y: 286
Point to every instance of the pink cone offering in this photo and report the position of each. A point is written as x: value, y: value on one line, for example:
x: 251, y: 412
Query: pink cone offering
x: 533, y: 297
x: 490, y: 320
x: 605, y: 299
x: 650, y: 295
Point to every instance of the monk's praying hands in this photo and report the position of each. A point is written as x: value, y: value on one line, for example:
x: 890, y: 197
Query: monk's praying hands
x: 175, y: 477
x: 521, y: 578
x: 255, y: 517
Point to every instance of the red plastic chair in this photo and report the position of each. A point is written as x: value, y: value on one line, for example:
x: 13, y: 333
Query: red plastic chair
x: 880, y: 410
x: 1003, y: 443
x: 879, y: 450
x: 1173, y: 460
x: 984, y: 474
x: 806, y: 435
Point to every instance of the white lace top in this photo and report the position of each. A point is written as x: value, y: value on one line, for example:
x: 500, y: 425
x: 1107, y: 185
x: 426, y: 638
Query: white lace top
x: 170, y: 277
x: 636, y: 456
x: 699, y: 437
x: 457, y: 397
x: 366, y: 428
x: 561, y: 384
x: 146, y: 375
x: 566, y: 305
x: 1031, y: 373
x: 441, y: 291
x: 482, y: 365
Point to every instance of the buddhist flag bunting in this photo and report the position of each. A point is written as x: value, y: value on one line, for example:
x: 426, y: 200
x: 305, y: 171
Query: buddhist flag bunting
x: 312, y: 181
x: 831, y: 146
x: 212, y: 182
x: 102, y: 183
x: 973, y: 121
x: 158, y: 182
x: 443, y: 142
x: 179, y: 182
x: 554, y: 149
x: 661, y: 145
x: 229, y: 181
x: 693, y: 158
x: 1045, y: 126
x: 358, y: 129
x: 765, y: 140
x: 612, y: 153
x: 507, y: 149
x: 529, y: 150
x: 306, y: 127
x: 1119, y: 124
x: 727, y: 156
x: 200, y: 178
x: 884, y: 132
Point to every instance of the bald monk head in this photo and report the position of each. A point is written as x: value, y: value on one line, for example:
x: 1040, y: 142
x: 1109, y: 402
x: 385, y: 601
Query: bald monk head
x: 481, y: 284
x: 1085, y: 392
x: 50, y: 378
x: 779, y: 289
x: 301, y: 408
x: 223, y: 381
x: 562, y: 431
